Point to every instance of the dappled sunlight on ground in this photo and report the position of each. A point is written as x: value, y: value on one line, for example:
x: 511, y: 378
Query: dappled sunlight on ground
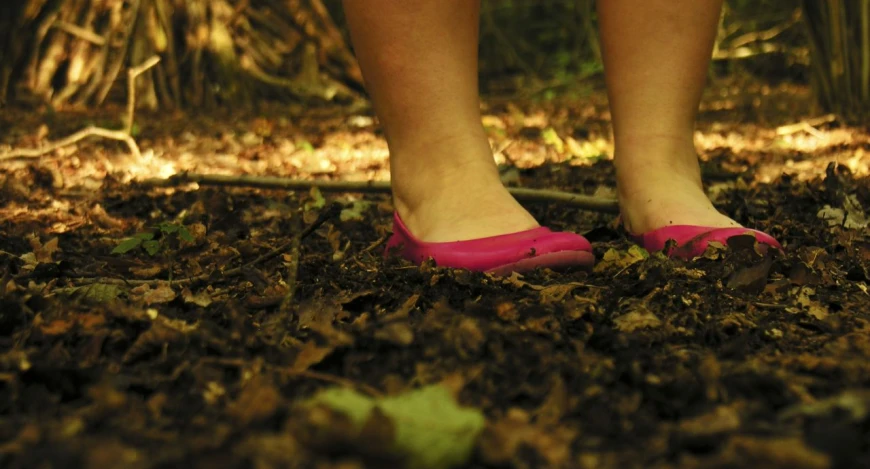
x: 751, y: 130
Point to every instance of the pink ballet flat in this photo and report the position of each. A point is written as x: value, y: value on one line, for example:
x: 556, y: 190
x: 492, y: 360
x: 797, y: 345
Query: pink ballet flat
x: 691, y: 241
x: 500, y: 255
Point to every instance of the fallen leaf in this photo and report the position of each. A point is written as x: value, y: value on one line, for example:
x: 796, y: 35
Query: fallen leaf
x: 258, y: 401
x: 702, y: 428
x: 812, y: 307
x: 57, y: 327
x: 43, y: 253
x: 310, y: 355
x: 557, y: 293
x: 851, y: 216
x: 201, y: 299
x: 555, y: 405
x: 792, y: 453
x: 162, y: 294
x: 751, y: 279
x: 146, y: 272
x: 317, y: 201
x: 854, y: 404
x: 431, y: 430
x: 614, y: 259
x: 639, y: 318
x: 94, y: 293
x: 552, y: 139
x: 356, y: 211
x: 397, y: 333
x: 502, y: 441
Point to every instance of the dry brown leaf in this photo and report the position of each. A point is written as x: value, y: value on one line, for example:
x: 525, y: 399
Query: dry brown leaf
x: 502, y: 441
x: 556, y: 403
x: 258, y: 401
x: 146, y: 272
x: 162, y: 294
x: 201, y: 299
x: 63, y: 326
x: 784, y: 453
x: 639, y: 318
x: 556, y: 293
x: 43, y: 253
x: 751, y: 279
x: 397, y: 333
x: 310, y: 355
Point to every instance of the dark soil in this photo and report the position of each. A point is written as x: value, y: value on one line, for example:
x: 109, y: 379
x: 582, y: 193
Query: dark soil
x: 736, y: 359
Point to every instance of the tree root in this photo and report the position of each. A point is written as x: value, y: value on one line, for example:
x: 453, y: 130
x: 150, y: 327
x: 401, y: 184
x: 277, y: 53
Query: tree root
x: 80, y: 135
x: 120, y: 135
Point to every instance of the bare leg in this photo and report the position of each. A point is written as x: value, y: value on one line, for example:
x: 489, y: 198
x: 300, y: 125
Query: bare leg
x: 656, y: 54
x: 419, y: 59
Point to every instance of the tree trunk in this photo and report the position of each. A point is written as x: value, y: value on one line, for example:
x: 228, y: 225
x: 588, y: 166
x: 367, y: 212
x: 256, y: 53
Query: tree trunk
x: 213, y: 52
x: 839, y: 36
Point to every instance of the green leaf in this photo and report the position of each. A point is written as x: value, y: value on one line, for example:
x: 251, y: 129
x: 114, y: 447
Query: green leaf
x: 431, y: 430
x: 168, y: 228
x: 552, y: 138
x: 152, y: 247
x: 94, y: 293
x: 355, y: 211
x: 317, y: 201
x: 144, y: 236
x: 184, y: 234
x: 127, y: 245
x: 307, y: 146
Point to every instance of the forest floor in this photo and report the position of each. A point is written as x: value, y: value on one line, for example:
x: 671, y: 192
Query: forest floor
x: 206, y: 352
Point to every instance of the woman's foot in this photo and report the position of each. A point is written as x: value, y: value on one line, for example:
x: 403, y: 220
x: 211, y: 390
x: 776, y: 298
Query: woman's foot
x: 445, y: 197
x: 451, y: 206
x: 659, y: 185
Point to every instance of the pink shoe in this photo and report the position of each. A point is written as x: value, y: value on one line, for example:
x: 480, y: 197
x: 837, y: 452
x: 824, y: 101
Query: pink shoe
x: 501, y: 255
x: 692, y: 241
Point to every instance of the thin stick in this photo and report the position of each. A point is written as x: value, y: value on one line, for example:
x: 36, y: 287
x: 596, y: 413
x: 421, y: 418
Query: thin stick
x: 132, y: 74
x: 295, y: 245
x: 333, y: 379
x: 587, y: 202
x: 802, y: 125
x: 80, y: 135
x: 80, y: 32
x: 92, y: 131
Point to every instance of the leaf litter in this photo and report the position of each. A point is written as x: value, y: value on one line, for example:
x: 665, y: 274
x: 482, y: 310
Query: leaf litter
x: 741, y: 358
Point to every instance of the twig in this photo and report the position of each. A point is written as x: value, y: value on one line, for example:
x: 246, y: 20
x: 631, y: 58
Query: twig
x: 80, y: 32
x: 132, y: 74
x: 80, y: 135
x: 121, y: 135
x: 295, y: 244
x: 587, y: 202
x: 316, y: 375
x: 333, y: 379
x: 807, y: 125
x: 114, y: 68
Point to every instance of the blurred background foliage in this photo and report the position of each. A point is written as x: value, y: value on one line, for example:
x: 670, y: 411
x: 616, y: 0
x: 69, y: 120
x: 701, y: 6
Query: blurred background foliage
x: 551, y: 45
x: 218, y: 52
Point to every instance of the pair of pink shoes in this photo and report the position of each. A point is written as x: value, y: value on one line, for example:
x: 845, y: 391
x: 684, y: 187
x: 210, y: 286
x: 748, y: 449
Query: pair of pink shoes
x: 542, y: 247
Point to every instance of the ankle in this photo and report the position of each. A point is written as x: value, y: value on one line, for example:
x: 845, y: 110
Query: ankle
x: 433, y: 178
x: 643, y: 166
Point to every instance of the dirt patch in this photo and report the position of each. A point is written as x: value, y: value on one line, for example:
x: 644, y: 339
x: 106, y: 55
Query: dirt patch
x: 736, y: 359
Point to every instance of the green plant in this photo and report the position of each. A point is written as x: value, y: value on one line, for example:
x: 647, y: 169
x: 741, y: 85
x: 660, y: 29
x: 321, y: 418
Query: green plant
x: 151, y: 243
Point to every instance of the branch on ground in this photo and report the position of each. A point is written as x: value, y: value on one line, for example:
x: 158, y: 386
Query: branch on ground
x: 120, y: 135
x: 595, y: 204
